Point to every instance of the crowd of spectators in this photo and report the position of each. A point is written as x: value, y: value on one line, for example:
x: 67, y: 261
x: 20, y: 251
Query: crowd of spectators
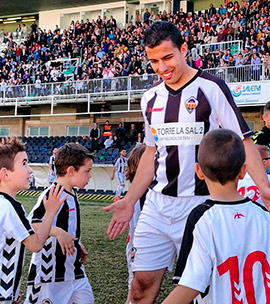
x: 106, y: 50
x: 117, y: 138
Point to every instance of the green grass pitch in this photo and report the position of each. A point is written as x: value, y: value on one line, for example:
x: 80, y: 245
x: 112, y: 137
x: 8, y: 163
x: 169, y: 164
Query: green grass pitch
x: 106, y: 264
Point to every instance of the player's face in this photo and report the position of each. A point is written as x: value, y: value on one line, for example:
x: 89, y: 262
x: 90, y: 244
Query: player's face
x: 266, y: 161
x: 21, y: 174
x: 55, y: 151
x: 266, y: 118
x: 168, y: 62
x: 123, y: 153
x: 83, y: 175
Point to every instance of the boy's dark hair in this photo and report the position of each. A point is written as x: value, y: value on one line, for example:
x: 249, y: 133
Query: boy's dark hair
x: 133, y: 161
x: 71, y: 154
x: 266, y: 107
x: 221, y: 155
x: 8, y: 150
x: 161, y: 31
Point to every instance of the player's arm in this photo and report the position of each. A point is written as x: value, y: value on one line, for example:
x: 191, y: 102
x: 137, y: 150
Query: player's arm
x: 113, y: 172
x: 181, y: 295
x: 64, y: 238
x: 50, y: 167
x: 123, y: 209
x: 256, y: 170
x: 36, y: 241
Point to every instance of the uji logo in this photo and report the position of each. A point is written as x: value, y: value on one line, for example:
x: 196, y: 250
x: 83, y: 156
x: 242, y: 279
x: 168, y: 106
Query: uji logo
x: 154, y: 132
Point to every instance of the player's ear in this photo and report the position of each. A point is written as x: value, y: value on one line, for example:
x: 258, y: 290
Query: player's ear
x: 243, y: 171
x: 198, y: 171
x: 70, y: 170
x: 3, y: 174
x: 184, y: 49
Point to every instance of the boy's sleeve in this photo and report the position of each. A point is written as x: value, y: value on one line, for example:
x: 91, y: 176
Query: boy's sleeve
x: 194, y: 264
x: 16, y: 224
x: 37, y: 213
x: 198, y: 270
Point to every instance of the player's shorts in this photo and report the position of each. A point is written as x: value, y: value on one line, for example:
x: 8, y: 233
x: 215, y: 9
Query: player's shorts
x: 77, y: 292
x: 120, y: 177
x: 159, y: 232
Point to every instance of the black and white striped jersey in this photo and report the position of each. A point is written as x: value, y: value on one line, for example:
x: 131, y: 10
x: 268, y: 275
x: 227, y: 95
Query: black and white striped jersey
x: 49, y: 264
x: 175, y: 122
x: 15, y: 228
x: 120, y: 164
x: 225, y: 252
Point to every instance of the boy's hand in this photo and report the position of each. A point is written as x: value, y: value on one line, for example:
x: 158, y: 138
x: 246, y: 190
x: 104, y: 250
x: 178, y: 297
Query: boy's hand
x: 19, y: 299
x: 65, y: 240
x: 84, y: 254
x: 53, y: 203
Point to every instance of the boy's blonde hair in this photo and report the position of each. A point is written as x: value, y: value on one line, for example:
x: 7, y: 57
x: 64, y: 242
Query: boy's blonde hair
x: 133, y: 161
x: 8, y: 150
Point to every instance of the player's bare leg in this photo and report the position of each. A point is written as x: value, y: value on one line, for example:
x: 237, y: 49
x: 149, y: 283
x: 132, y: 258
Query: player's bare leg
x: 145, y: 286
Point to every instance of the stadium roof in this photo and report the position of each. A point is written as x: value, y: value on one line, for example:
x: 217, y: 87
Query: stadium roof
x: 15, y: 8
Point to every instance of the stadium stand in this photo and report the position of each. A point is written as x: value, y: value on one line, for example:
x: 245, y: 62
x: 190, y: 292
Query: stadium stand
x: 234, y: 36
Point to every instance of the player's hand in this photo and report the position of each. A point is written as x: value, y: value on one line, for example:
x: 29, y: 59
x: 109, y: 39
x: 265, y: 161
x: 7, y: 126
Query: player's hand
x: 66, y: 242
x: 19, y: 299
x: 112, y: 177
x: 53, y: 203
x: 52, y: 173
x: 122, y: 213
x: 84, y: 254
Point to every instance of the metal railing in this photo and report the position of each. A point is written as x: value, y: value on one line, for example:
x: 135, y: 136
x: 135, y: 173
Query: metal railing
x: 76, y: 87
x: 243, y: 73
x: 101, y: 91
x: 235, y: 46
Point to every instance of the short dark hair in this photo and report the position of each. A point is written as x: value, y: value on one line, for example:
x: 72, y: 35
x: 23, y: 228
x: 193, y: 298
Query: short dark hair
x: 161, y: 31
x: 221, y: 155
x: 71, y: 154
x: 8, y: 150
x: 266, y: 107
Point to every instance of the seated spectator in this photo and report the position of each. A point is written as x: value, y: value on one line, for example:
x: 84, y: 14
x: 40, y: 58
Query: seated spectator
x: 117, y: 143
x: 108, y: 142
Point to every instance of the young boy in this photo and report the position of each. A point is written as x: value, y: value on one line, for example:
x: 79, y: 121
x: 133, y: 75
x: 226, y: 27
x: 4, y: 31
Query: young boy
x: 132, y: 165
x: 262, y: 137
x: 16, y: 231
x: 52, y: 170
x: 55, y: 274
x: 246, y: 186
x: 119, y: 172
x: 226, y: 240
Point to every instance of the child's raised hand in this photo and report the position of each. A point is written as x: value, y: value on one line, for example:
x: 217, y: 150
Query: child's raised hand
x: 66, y: 242
x: 84, y: 254
x: 53, y: 203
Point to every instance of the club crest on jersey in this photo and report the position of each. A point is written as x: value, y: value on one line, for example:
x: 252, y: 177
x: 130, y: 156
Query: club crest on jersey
x: 191, y: 104
x: 132, y: 255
